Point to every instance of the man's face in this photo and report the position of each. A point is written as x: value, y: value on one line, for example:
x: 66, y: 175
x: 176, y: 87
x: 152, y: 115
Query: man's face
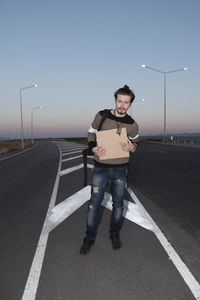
x: 123, y: 102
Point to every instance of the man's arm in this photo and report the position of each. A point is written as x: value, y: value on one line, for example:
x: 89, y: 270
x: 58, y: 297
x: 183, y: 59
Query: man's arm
x: 92, y: 131
x: 132, y: 140
x: 133, y: 133
x: 92, y: 144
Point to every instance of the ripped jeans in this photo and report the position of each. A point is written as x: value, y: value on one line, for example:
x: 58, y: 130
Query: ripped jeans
x: 101, y: 177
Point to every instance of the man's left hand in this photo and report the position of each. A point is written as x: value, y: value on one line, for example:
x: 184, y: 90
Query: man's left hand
x: 128, y: 146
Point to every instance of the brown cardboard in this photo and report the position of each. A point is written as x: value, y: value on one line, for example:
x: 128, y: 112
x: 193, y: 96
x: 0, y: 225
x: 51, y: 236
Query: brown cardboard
x: 110, y: 140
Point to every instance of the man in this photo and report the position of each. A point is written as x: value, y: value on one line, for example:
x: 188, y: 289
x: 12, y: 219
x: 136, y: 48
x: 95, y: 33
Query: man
x: 110, y: 170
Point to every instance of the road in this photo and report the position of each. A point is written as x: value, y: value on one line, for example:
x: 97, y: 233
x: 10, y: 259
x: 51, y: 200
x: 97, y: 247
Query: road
x: 166, y: 179
x: 43, y: 206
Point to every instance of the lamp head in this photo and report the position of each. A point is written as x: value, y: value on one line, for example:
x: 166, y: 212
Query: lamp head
x: 185, y: 69
x: 35, y: 85
x: 143, y: 66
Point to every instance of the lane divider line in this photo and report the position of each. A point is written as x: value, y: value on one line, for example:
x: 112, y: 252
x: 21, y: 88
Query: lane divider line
x: 36, y: 267
x: 173, y: 256
x: 160, y: 151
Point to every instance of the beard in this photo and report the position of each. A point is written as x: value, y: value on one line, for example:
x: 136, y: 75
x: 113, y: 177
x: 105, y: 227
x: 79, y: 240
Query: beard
x: 121, y: 111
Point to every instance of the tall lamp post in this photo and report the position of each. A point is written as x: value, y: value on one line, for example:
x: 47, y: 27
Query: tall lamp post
x: 165, y: 75
x: 32, y: 109
x: 22, y: 130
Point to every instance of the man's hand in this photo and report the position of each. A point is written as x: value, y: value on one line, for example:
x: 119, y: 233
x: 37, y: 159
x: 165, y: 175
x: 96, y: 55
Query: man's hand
x: 128, y: 146
x: 100, y: 151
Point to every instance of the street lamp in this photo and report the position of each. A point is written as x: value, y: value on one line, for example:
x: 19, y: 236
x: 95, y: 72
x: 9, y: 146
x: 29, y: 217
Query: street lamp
x: 32, y: 109
x: 22, y: 130
x: 165, y: 74
x: 140, y: 100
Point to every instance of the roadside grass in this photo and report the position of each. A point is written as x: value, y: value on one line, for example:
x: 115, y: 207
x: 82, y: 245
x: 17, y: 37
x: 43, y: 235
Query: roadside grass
x: 9, y: 146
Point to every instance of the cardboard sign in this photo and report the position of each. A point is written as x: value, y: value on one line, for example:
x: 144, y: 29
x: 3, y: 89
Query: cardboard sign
x: 110, y: 140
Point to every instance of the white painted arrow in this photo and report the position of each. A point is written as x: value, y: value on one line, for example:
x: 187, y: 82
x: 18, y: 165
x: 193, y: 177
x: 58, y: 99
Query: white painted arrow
x: 64, y: 209
x: 131, y: 212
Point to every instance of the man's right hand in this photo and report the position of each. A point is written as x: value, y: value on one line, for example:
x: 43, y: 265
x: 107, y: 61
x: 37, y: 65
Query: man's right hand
x: 100, y: 151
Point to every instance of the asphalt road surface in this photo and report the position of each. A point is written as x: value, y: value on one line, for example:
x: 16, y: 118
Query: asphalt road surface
x: 43, y: 207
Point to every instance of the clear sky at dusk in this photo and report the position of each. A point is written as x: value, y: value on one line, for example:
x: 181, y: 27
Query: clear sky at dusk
x: 80, y: 52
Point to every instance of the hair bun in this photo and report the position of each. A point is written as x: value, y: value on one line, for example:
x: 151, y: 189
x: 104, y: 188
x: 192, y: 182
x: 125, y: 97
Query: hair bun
x: 125, y: 91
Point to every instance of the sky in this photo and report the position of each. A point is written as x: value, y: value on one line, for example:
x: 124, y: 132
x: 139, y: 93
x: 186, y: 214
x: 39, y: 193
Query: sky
x: 80, y: 52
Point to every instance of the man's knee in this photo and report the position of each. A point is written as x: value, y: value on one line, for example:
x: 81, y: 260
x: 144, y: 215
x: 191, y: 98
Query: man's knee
x: 95, y: 189
x: 120, y: 181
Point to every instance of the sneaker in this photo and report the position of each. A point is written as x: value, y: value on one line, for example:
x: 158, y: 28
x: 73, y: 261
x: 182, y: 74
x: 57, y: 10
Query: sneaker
x: 115, y: 239
x: 87, y: 244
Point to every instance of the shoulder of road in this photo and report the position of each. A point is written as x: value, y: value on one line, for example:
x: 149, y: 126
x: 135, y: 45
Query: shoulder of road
x: 194, y: 145
x: 16, y: 152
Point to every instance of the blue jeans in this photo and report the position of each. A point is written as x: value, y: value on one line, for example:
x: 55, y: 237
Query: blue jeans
x: 101, y: 177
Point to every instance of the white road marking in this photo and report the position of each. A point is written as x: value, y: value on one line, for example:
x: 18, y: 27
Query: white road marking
x: 173, y: 256
x: 72, y: 152
x: 131, y: 212
x: 134, y: 212
x: 64, y: 209
x: 158, y: 151
x: 71, y: 158
x: 19, y: 152
x: 74, y: 157
x: 74, y: 149
x: 72, y: 169
x: 36, y: 267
